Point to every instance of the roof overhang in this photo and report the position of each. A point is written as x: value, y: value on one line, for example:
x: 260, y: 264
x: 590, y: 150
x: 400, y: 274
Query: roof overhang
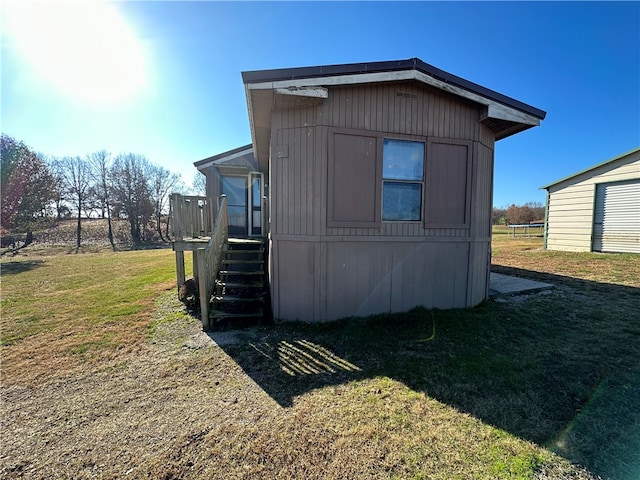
x: 627, y: 157
x: 267, y: 89
x: 224, y: 157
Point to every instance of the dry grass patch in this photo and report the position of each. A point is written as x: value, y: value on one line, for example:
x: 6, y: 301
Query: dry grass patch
x: 527, y: 253
x: 60, y: 312
x: 130, y: 387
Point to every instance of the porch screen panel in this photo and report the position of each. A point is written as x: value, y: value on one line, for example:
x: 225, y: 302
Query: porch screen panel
x: 353, y: 183
x: 447, y: 184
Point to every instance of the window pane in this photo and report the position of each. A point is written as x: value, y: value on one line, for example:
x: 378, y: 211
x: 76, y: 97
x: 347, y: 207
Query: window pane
x: 235, y: 188
x: 402, y: 159
x: 401, y: 201
x: 236, y: 216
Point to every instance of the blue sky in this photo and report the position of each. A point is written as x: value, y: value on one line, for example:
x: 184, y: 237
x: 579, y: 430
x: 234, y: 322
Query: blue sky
x: 166, y: 83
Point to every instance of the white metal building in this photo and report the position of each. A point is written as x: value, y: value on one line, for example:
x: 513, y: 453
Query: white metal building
x: 597, y: 209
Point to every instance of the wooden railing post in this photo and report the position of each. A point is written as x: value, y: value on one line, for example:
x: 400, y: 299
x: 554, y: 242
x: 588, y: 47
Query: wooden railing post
x: 203, y: 288
x: 175, y: 215
x: 180, y: 274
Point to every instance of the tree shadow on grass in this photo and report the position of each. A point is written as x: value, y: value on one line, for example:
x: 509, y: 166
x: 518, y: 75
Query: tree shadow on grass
x: 12, y: 268
x: 561, y: 369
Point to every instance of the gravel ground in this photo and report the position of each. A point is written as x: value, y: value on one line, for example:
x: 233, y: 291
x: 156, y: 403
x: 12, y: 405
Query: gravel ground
x: 130, y: 416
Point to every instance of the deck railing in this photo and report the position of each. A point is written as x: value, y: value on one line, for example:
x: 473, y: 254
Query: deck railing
x: 192, y: 216
x: 200, y: 225
x: 209, y: 259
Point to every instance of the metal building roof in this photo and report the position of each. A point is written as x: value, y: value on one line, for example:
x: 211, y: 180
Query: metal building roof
x: 587, y: 170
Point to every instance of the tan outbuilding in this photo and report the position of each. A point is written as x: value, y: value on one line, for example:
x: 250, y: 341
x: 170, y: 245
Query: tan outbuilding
x: 597, y: 209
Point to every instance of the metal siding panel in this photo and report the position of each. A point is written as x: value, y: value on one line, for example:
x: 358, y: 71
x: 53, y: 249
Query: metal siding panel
x: 617, y: 217
x: 573, y: 207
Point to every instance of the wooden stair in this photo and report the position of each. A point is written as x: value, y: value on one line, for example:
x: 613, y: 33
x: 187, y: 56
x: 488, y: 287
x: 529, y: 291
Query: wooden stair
x: 240, y: 294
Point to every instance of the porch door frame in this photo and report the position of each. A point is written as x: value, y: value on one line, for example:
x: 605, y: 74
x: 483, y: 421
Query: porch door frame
x: 254, y: 204
x: 253, y: 211
x: 236, y: 229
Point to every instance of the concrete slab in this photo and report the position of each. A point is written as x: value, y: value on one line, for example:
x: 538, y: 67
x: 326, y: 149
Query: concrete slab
x: 507, y: 285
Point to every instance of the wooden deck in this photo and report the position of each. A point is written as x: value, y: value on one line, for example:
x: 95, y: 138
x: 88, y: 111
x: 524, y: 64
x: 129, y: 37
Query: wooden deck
x: 190, y: 244
x: 229, y: 272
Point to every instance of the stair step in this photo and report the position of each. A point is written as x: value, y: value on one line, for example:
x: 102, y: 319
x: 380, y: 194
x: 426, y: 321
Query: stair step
x: 227, y: 298
x: 241, y: 262
x: 213, y: 314
x: 239, y: 272
x: 239, y: 284
x: 257, y: 251
x: 245, y: 241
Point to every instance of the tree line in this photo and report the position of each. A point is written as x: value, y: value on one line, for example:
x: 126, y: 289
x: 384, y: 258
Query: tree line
x: 36, y: 189
x: 530, y: 212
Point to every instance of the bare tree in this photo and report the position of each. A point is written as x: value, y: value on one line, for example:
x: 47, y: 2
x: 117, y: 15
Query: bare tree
x: 538, y: 210
x: 199, y: 184
x: 131, y: 192
x: 56, y: 168
x: 100, y: 163
x: 75, y: 174
x: 162, y: 183
x: 498, y: 216
x: 518, y: 215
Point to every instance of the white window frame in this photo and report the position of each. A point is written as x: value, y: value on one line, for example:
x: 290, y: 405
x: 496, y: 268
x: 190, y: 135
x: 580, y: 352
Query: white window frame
x: 420, y: 182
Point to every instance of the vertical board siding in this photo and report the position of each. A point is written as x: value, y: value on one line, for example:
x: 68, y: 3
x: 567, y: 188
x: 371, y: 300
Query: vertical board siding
x: 295, y: 203
x: 358, y: 279
x: 479, y: 269
x: 378, y: 277
x: 402, y: 108
x: 295, y: 285
x: 482, y: 191
x: 353, y: 157
x: 447, y: 183
x: 433, y: 275
x: 317, y: 276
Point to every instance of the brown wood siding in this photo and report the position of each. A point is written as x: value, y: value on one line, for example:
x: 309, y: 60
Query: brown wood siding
x: 482, y: 191
x: 212, y: 182
x: 479, y: 269
x: 353, y: 185
x: 322, y: 272
x: 299, y: 184
x: 448, y: 178
x: 364, y: 278
x: 295, y: 282
x: 402, y: 108
x: 294, y: 182
x: 427, y: 274
x: 358, y: 279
